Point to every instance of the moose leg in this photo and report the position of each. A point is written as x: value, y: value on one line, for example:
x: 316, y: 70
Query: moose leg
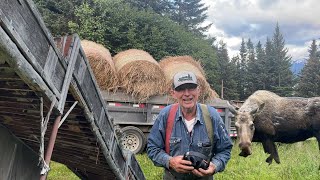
x: 270, y: 148
x: 318, y: 139
x: 267, y: 150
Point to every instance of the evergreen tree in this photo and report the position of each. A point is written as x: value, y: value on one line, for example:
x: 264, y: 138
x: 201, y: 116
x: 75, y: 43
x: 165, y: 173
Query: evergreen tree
x: 163, y: 7
x: 190, y: 14
x: 57, y: 14
x: 284, y: 76
x: 262, y: 68
x: 242, y: 71
x: 270, y: 65
x: 252, y: 78
x: 309, y: 80
x: 226, y: 74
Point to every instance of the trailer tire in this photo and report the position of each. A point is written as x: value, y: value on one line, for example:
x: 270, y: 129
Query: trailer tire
x: 133, y: 139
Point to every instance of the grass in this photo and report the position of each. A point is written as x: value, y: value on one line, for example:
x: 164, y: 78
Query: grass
x: 298, y: 161
x: 60, y: 172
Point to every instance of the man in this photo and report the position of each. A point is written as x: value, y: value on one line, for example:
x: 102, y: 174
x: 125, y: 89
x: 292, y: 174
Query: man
x: 189, y: 133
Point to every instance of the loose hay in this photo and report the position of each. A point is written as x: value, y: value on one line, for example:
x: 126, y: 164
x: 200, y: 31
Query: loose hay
x: 101, y: 63
x: 139, y: 74
x: 172, y: 65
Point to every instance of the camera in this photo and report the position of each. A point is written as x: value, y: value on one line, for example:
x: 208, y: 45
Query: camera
x: 197, y: 159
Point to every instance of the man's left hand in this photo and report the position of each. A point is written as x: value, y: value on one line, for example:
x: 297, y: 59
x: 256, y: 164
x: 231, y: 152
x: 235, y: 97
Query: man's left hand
x: 201, y: 172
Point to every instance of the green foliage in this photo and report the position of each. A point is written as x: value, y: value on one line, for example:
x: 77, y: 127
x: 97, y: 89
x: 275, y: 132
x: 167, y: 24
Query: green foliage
x: 309, y: 79
x: 264, y: 68
x: 90, y: 24
x: 282, y: 62
x: 226, y: 73
x: 190, y: 14
x: 57, y: 14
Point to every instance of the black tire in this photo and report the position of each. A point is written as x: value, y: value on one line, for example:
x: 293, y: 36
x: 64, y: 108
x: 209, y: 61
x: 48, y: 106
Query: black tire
x: 133, y: 139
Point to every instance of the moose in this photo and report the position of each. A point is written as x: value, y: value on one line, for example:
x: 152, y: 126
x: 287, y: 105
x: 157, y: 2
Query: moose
x: 268, y: 118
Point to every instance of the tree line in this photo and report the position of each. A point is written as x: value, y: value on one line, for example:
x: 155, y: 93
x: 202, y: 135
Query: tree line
x: 175, y: 27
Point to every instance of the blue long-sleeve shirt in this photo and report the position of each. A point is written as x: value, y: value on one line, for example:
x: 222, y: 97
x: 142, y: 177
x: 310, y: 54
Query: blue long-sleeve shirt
x: 181, y: 141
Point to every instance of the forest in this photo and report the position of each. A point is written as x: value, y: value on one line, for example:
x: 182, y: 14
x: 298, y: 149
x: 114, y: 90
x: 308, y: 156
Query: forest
x: 175, y: 27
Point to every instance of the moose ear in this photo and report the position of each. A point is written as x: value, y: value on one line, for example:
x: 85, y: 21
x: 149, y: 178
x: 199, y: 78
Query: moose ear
x: 255, y: 110
x: 233, y: 109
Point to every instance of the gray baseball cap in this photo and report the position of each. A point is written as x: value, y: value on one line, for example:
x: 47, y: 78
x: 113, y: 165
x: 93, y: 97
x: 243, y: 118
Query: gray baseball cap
x: 184, y: 77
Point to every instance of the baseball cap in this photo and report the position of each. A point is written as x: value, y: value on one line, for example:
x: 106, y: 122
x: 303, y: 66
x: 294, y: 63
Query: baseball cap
x: 184, y: 77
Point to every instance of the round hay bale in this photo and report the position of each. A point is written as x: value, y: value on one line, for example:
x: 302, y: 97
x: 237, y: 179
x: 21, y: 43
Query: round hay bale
x: 139, y: 74
x: 101, y: 63
x: 173, y: 65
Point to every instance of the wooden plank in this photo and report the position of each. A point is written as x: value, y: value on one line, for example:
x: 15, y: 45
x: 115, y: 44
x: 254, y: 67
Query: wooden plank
x: 50, y: 64
x: 2, y: 59
x: 18, y: 84
x: 25, y: 71
x: 19, y: 20
x: 33, y: 56
x: 69, y: 73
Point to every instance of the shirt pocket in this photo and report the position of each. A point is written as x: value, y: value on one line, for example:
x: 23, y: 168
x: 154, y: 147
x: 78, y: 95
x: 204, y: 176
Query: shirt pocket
x: 205, y: 148
x: 175, y: 145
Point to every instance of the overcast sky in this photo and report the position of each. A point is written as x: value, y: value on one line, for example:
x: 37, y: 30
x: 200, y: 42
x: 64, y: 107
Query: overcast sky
x: 299, y: 22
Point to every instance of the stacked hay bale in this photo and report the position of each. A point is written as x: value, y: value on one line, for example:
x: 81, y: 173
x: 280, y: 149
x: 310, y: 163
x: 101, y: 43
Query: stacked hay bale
x: 172, y: 65
x: 101, y: 63
x: 139, y: 74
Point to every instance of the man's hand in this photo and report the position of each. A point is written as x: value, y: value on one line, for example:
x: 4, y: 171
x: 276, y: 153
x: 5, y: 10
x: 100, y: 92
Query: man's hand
x: 179, y: 165
x: 201, y: 172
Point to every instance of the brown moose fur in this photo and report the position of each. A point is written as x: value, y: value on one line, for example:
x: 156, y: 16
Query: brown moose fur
x: 267, y: 118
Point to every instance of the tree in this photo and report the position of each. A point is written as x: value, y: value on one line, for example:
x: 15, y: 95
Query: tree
x: 252, y: 78
x: 284, y: 77
x: 242, y: 66
x: 262, y: 68
x: 190, y: 14
x: 162, y: 7
x: 89, y: 24
x: 226, y: 74
x: 57, y: 14
x: 120, y: 26
x: 309, y: 80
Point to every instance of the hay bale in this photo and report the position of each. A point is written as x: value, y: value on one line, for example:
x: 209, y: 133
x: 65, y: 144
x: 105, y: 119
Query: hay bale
x: 101, y: 63
x: 139, y: 74
x: 173, y: 65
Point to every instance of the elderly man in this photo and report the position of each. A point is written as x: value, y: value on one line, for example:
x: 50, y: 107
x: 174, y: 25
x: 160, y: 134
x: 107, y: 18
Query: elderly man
x: 189, y: 139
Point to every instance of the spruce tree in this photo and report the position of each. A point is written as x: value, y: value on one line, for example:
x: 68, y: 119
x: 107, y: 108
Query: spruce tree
x: 309, y: 82
x: 252, y: 80
x: 190, y: 14
x: 270, y: 66
x: 261, y: 68
x: 226, y: 73
x: 242, y: 71
x: 282, y: 64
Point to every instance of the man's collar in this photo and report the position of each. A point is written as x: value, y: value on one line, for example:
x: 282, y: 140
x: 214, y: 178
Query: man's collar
x: 198, y: 114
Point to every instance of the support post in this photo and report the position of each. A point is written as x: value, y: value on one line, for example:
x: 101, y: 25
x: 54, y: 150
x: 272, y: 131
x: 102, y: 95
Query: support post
x: 50, y: 146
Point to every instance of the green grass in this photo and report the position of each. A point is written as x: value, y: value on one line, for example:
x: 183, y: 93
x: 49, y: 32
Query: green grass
x: 60, y: 172
x: 298, y: 161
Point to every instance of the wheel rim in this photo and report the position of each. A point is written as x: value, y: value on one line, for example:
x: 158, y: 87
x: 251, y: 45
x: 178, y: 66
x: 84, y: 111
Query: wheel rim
x: 131, y: 142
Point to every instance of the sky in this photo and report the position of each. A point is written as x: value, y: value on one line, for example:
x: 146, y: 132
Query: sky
x: 299, y: 22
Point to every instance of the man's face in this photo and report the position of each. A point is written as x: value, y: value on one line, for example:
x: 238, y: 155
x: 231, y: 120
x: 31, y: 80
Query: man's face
x: 187, y: 96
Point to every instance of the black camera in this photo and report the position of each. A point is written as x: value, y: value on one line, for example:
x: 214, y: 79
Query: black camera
x: 198, y: 160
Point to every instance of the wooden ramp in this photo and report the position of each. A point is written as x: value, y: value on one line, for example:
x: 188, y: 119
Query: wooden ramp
x: 33, y: 68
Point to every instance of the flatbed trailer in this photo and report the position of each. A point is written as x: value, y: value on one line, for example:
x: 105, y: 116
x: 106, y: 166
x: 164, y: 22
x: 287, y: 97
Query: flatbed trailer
x: 136, y: 118
x: 39, y: 84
